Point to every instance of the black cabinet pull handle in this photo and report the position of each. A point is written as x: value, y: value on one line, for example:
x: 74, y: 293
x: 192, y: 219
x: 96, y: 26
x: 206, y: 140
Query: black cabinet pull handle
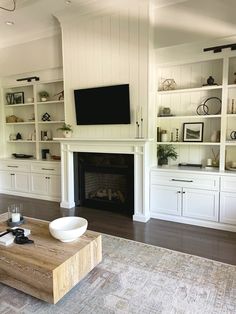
x: 47, y: 169
x: 12, y: 166
x: 179, y: 180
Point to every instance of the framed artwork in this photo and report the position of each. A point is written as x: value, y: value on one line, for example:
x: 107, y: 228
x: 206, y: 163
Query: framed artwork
x: 19, y: 98
x: 193, y: 132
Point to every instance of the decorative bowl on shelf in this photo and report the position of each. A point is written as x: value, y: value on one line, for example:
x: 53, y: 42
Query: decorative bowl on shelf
x: 22, y: 155
x: 55, y: 157
x: 68, y: 229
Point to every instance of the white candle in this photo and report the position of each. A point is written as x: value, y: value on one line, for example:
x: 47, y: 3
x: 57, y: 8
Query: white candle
x: 15, y: 217
x: 209, y: 162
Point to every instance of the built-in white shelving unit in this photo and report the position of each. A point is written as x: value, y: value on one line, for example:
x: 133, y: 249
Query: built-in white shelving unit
x: 29, y: 113
x: 183, y: 101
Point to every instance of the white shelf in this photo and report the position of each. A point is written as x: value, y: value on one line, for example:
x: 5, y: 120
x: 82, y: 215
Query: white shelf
x: 20, y: 123
x: 49, y: 141
x: 51, y: 122
x: 197, y: 117
x: 189, y: 143
x: 231, y: 115
x: 21, y: 141
x: 231, y: 143
x: 232, y: 86
x: 50, y: 102
x: 190, y: 90
x: 19, y: 105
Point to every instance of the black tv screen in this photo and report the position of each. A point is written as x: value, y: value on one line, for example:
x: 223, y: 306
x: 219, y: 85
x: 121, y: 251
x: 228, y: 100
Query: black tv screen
x: 102, y: 105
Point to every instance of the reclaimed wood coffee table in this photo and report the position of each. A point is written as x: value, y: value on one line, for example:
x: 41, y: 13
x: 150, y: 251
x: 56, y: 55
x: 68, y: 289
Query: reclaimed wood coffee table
x: 47, y: 269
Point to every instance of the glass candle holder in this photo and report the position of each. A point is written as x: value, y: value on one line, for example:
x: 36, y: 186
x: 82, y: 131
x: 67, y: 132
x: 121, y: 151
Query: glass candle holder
x: 15, y: 216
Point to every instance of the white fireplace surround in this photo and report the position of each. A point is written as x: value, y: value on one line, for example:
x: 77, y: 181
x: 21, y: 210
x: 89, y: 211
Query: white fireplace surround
x: 138, y: 147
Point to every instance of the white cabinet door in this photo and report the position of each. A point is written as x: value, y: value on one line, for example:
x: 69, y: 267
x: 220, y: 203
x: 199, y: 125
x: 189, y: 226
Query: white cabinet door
x: 201, y: 204
x: 6, y: 180
x: 54, y: 186
x: 165, y: 200
x: 228, y: 208
x: 39, y: 184
x: 21, y: 182
x: 47, y: 185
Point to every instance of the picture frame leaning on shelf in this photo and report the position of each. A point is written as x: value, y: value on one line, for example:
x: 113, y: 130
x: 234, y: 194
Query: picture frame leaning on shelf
x: 193, y: 132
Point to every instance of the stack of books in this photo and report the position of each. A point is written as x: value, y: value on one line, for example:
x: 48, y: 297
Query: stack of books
x: 8, y: 238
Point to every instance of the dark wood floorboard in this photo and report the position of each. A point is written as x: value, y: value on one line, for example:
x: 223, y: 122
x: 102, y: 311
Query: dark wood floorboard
x: 213, y: 244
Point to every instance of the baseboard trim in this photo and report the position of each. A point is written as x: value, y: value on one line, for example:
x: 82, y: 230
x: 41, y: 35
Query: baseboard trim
x: 67, y: 204
x: 35, y: 196
x: 195, y: 222
x: 141, y: 218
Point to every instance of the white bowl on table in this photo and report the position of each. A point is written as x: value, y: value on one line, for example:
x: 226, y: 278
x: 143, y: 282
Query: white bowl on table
x: 68, y: 229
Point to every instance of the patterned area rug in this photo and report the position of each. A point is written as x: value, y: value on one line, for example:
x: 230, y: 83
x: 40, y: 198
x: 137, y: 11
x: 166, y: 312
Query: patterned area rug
x: 139, y: 278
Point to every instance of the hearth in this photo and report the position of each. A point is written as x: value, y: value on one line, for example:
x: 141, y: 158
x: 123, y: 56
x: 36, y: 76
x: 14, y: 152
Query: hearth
x: 104, y: 181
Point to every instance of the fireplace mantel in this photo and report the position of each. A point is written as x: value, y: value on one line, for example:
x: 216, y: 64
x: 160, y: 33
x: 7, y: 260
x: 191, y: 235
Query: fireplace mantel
x: 140, y: 148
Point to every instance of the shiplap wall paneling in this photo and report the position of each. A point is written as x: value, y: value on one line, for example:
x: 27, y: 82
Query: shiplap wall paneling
x: 192, y: 75
x: 232, y: 70
x: 107, y: 49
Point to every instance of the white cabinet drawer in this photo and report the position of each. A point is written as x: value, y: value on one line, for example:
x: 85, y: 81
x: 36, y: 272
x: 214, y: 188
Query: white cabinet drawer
x: 187, y: 180
x: 14, y: 165
x: 46, y: 167
x: 228, y: 184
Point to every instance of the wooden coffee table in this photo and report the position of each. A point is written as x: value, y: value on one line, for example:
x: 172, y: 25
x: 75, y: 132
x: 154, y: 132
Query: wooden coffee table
x: 47, y: 269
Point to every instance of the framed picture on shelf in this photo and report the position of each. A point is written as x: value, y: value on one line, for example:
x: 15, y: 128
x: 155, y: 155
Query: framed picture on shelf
x: 193, y: 132
x: 19, y: 98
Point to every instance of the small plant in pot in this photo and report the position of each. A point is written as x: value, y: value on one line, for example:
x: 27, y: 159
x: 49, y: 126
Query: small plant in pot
x: 164, y: 152
x: 43, y: 95
x: 66, y: 129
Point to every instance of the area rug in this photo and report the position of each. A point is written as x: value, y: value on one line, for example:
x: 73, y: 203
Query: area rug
x: 139, y: 278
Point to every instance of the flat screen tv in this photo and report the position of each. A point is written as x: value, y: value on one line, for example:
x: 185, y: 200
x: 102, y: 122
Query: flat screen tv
x: 102, y: 105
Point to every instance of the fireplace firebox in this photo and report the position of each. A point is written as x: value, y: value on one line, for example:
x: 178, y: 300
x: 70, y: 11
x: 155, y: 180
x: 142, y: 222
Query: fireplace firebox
x: 104, y: 181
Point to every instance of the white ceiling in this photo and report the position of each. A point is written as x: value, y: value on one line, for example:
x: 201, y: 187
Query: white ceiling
x: 177, y: 21
x: 194, y: 21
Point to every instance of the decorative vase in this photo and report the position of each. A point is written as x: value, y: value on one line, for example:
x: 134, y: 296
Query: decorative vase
x: 210, y: 80
x: 162, y: 161
x: 44, y: 99
x: 67, y: 133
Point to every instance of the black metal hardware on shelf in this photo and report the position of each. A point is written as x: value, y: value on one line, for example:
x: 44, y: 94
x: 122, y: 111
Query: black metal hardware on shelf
x: 29, y: 79
x: 217, y: 49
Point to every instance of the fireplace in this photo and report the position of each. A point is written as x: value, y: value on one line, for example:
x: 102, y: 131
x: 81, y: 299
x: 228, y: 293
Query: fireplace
x: 138, y: 148
x: 104, y: 181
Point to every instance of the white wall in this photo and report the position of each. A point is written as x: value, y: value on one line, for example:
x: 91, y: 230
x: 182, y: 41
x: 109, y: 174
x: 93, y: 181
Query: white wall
x: 106, y: 48
x: 37, y: 55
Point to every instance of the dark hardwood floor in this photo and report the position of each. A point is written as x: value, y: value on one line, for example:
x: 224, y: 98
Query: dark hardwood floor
x: 213, y: 244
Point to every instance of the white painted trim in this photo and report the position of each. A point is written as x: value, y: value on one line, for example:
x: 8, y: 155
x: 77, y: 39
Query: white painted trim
x: 67, y: 205
x: 195, y: 222
x: 141, y: 218
x: 27, y: 194
x: 137, y: 147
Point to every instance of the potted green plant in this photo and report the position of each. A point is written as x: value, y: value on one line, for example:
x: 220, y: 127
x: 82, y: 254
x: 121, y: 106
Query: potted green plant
x: 43, y: 95
x: 67, y: 129
x: 164, y: 152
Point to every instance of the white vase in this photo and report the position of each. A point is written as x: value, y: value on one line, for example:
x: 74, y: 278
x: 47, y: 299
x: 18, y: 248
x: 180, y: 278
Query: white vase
x: 67, y: 133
